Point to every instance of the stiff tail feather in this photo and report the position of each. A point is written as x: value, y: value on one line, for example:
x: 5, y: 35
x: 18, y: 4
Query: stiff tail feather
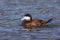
x: 50, y: 20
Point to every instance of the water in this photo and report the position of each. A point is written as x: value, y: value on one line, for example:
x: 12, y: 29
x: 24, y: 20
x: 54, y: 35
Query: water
x: 12, y: 10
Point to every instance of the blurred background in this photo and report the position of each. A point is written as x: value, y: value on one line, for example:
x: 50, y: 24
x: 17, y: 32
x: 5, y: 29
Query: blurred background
x: 12, y: 10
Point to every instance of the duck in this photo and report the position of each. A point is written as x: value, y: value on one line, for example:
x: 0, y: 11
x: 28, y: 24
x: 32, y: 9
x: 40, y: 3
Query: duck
x: 28, y: 22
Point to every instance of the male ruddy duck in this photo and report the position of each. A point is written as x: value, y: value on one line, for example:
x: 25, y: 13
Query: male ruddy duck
x: 29, y: 23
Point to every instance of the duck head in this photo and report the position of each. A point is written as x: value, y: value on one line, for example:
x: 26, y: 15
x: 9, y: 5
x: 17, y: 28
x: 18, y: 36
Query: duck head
x: 27, y: 17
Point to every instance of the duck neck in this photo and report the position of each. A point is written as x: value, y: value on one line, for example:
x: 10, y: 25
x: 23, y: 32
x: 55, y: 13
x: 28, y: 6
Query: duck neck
x: 30, y: 18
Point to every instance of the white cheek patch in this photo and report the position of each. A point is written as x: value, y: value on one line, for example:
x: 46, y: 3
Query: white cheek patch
x: 25, y: 18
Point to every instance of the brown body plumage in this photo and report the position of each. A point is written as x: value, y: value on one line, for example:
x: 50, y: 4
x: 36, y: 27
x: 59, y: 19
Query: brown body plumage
x: 30, y: 23
x: 34, y: 23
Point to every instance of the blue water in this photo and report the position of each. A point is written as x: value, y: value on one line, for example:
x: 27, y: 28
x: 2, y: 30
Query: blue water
x: 12, y: 10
